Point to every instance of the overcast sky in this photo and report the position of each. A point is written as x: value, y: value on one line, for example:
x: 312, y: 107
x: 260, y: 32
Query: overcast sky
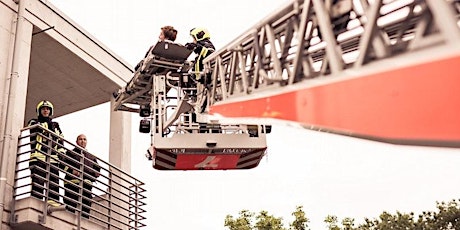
x: 325, y: 173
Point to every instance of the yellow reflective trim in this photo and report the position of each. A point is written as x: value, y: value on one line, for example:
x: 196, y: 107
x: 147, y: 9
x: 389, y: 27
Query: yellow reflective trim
x: 74, y: 181
x: 38, y: 146
x: 53, y: 203
x: 37, y: 156
x: 197, y: 68
x: 204, y: 51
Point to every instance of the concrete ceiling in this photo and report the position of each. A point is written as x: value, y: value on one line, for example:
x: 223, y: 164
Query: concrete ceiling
x: 58, y: 75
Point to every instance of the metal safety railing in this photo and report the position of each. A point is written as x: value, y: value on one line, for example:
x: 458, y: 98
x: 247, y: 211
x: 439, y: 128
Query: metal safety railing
x: 302, y: 41
x: 96, y: 190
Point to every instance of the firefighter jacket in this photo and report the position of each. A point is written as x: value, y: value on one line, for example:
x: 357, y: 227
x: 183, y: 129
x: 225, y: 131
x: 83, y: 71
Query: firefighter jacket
x: 204, y: 48
x: 40, y: 144
x: 73, y: 160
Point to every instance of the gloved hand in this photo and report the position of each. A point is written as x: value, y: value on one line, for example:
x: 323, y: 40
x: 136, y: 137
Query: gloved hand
x: 190, y: 45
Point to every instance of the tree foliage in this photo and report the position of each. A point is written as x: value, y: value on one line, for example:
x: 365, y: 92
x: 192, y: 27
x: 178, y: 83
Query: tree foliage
x: 447, y: 217
x: 243, y: 222
x: 301, y: 221
x: 264, y: 221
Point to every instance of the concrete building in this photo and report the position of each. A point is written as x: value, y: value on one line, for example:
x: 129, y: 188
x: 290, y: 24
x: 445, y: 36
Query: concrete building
x: 45, y: 55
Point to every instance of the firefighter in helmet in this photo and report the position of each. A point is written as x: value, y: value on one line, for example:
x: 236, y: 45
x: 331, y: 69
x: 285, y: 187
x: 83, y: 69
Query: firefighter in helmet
x: 203, y: 47
x: 46, y: 146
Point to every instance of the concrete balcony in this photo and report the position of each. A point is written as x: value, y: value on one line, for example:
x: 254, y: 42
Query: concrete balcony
x: 116, y: 197
x: 29, y: 214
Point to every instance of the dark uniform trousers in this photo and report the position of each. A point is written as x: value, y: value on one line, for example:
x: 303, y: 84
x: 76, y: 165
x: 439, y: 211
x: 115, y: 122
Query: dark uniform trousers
x: 38, y: 169
x: 72, y: 194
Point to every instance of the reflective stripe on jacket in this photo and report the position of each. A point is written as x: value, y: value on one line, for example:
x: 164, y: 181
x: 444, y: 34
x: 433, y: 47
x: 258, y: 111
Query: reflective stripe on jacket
x: 41, y: 144
x: 204, y: 49
x: 76, y: 181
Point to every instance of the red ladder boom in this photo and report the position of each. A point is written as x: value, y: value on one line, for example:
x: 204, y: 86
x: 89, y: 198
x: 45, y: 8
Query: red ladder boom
x: 393, y: 75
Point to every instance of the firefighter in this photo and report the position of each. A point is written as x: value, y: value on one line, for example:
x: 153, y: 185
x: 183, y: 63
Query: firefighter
x: 45, y: 147
x: 203, y: 47
x: 339, y: 12
x: 73, y: 162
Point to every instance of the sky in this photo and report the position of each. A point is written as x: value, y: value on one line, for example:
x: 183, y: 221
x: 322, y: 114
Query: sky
x: 327, y: 174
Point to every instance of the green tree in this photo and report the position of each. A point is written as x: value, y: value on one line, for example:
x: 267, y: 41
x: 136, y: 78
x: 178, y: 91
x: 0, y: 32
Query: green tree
x: 331, y: 222
x: 243, y: 222
x: 268, y: 222
x: 265, y: 221
x: 348, y: 223
x: 447, y: 217
x: 389, y: 221
x: 301, y: 221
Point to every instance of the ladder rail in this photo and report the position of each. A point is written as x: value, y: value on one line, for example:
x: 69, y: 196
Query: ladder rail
x: 267, y: 56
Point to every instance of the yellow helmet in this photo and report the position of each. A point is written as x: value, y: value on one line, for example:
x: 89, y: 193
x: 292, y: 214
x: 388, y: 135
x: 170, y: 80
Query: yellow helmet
x: 45, y: 104
x: 199, y: 34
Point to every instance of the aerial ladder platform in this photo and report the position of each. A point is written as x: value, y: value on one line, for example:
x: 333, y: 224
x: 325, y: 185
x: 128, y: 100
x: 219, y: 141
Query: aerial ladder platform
x: 174, y: 106
x: 384, y: 70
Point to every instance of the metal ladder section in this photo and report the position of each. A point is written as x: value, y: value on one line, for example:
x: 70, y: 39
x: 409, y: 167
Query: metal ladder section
x: 289, y: 46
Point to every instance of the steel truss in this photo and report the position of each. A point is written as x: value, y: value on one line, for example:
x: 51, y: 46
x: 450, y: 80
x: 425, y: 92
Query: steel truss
x: 286, y: 47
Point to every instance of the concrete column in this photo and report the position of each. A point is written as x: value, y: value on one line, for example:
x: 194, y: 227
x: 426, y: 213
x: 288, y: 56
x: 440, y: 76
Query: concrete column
x: 120, y: 156
x: 120, y: 139
x: 13, y: 104
x: 7, y: 19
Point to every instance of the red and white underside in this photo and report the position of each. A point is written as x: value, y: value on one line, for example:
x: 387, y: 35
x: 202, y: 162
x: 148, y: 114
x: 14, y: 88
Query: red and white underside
x: 411, y: 99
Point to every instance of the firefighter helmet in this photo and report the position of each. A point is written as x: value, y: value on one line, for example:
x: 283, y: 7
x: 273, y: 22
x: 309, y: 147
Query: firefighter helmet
x: 199, y: 34
x: 45, y: 103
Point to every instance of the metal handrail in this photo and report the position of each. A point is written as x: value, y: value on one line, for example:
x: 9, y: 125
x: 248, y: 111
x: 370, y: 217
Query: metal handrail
x: 121, y: 210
